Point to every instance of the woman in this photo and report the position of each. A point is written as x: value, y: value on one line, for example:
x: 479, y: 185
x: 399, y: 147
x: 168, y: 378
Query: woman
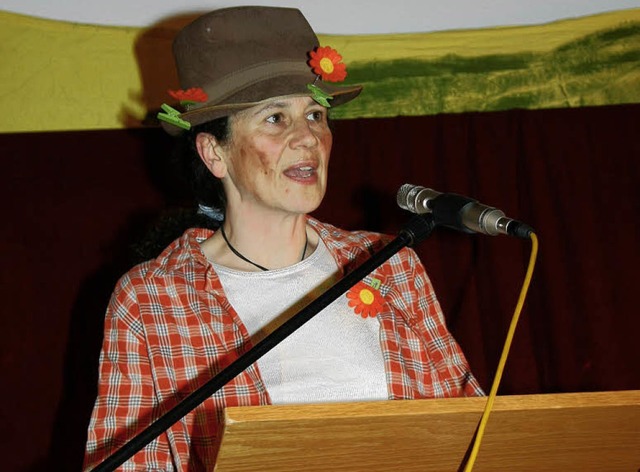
x: 255, y: 85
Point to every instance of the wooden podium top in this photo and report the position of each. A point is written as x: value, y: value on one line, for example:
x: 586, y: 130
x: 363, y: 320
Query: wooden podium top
x: 566, y: 432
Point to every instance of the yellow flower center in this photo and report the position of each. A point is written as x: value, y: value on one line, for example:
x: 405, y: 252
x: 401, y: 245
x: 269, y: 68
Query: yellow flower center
x: 326, y: 65
x: 366, y: 296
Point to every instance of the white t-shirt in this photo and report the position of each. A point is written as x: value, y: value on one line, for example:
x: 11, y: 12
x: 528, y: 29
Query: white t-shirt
x: 335, y: 356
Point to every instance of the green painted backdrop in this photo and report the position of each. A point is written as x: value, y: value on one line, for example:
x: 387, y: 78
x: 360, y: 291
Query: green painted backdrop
x: 64, y: 76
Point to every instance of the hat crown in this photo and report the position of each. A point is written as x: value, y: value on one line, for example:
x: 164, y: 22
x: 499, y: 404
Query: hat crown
x: 226, y: 42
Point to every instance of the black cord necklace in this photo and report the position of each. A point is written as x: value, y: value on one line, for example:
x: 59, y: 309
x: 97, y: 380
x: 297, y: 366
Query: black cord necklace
x: 237, y: 253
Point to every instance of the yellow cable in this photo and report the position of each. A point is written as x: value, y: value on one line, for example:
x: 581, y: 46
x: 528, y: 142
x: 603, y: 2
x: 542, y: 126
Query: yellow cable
x: 503, y: 358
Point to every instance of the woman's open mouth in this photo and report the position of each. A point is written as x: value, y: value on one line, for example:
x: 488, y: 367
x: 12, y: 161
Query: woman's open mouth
x: 302, y: 173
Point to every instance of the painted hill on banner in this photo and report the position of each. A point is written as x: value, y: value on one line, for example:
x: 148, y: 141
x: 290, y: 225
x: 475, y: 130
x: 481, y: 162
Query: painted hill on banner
x: 581, y: 62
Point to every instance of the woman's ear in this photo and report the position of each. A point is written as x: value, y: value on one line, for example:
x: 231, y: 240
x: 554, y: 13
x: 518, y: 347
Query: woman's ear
x: 212, y: 154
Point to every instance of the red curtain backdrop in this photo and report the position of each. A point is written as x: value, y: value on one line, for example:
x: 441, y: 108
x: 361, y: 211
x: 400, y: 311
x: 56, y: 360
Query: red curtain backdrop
x: 74, y: 202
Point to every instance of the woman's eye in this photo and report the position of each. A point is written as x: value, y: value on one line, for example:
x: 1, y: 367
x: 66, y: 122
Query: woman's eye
x: 316, y: 115
x: 276, y: 118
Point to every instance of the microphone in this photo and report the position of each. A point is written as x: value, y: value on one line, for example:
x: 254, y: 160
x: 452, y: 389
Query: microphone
x: 459, y: 212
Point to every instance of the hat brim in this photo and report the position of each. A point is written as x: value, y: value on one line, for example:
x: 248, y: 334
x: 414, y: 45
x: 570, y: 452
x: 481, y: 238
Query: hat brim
x: 255, y: 95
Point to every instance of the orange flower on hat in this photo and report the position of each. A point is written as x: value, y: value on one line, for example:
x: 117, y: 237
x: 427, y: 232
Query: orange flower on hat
x: 365, y: 300
x: 327, y: 63
x: 192, y: 95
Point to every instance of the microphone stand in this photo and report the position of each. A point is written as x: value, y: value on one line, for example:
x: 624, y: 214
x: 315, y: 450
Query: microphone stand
x: 416, y: 230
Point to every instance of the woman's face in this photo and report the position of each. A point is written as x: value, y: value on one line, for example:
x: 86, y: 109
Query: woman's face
x: 277, y: 156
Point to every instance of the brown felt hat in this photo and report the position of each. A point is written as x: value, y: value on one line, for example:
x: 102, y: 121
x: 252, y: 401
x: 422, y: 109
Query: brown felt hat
x: 242, y: 56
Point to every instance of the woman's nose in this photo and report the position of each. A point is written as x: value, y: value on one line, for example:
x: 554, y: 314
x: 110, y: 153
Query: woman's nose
x: 303, y: 134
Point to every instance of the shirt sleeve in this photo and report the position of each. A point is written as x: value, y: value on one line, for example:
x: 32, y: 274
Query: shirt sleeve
x: 438, y: 365
x: 126, y: 401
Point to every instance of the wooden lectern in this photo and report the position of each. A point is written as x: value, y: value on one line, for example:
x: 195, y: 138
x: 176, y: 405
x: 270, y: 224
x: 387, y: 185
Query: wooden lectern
x: 550, y: 432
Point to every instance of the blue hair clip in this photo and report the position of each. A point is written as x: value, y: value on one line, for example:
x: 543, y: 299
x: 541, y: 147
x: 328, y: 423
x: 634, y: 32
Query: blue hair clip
x: 211, y: 212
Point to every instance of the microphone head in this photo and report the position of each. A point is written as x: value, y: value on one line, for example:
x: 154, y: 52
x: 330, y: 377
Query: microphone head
x: 401, y: 197
x: 415, y: 198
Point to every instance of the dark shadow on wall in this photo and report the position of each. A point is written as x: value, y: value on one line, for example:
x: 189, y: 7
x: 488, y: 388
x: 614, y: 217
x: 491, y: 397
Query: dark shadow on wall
x: 81, y: 358
x: 156, y: 67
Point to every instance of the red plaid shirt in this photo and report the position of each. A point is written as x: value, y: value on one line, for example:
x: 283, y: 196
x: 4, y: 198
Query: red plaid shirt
x: 169, y: 329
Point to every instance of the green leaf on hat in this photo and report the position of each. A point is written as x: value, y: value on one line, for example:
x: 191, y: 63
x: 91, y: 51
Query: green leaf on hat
x: 320, y: 95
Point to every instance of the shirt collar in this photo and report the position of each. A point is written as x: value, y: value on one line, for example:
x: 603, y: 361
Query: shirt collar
x: 183, y: 251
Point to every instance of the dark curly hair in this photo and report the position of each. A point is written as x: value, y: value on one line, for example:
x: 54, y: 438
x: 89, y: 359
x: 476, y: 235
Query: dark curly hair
x: 204, y: 188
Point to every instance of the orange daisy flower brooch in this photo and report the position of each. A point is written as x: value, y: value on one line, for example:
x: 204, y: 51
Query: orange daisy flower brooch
x: 365, y: 300
x: 327, y: 64
x: 190, y: 96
